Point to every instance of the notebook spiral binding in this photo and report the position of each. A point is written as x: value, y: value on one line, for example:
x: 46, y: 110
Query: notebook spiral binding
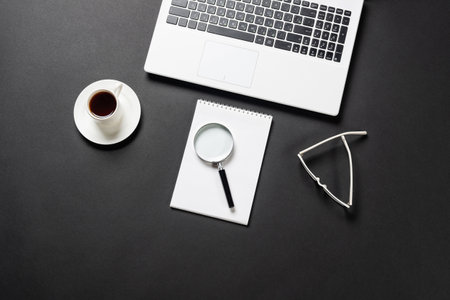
x: 233, y: 108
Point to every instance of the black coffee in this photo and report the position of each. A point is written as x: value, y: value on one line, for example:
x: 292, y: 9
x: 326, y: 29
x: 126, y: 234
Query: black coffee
x: 102, y: 104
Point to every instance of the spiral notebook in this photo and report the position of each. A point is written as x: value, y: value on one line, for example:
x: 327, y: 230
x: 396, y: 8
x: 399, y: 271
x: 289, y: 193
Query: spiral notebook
x: 198, y: 188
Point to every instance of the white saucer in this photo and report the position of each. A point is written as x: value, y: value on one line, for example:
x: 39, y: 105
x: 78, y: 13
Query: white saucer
x: 129, y: 102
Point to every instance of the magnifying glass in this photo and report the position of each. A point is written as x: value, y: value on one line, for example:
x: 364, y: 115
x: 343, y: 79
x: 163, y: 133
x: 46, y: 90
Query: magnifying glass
x: 213, y: 143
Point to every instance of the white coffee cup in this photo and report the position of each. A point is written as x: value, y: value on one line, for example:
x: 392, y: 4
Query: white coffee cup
x: 104, y: 107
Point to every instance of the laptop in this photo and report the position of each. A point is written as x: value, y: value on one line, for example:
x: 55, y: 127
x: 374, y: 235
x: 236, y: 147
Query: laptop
x: 292, y: 52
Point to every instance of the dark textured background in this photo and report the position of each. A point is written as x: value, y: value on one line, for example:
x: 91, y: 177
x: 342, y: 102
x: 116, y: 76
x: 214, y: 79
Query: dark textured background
x: 79, y: 221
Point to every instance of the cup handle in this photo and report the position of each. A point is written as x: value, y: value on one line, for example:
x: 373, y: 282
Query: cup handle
x: 118, y: 90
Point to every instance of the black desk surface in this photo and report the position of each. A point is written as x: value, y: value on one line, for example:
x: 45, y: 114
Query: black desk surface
x: 79, y: 221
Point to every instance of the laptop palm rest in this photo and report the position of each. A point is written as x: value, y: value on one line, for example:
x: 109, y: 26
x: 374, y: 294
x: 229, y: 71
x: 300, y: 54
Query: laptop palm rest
x: 227, y: 63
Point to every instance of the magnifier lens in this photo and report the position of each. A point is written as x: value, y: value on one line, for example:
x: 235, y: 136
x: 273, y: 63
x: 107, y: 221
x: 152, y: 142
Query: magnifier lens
x: 213, y: 143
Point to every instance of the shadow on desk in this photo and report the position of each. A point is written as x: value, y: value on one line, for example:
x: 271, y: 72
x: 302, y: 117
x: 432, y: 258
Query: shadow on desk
x: 119, y: 145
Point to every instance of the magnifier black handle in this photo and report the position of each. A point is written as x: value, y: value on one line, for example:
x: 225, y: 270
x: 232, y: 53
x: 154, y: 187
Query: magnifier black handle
x: 226, y: 187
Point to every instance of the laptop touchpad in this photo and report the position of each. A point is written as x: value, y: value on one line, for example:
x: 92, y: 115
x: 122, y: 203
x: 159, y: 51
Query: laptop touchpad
x: 228, y: 64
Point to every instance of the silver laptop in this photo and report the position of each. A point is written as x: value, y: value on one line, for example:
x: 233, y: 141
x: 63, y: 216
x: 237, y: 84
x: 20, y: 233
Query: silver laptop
x: 291, y: 52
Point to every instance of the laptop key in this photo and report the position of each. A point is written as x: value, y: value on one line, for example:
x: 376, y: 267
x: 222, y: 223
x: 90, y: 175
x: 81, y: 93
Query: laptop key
x: 345, y: 21
x: 244, y: 36
x: 223, y: 22
x: 195, y: 15
x: 298, y: 20
x: 285, y: 7
x: 201, y: 26
x: 288, y: 17
x: 240, y: 16
x: 335, y: 28
x: 266, y: 3
x: 337, y: 19
x: 271, y: 33
x: 319, y: 24
x: 182, y: 22
x: 204, y: 17
x: 181, y: 12
x: 333, y: 37
x: 269, y: 42
x: 337, y: 57
x: 230, y: 14
x: 259, y: 11
x: 259, y: 40
x: 329, y: 56
x: 306, y: 40
x: 231, y: 4
x: 214, y: 19
x: 268, y: 22
x: 331, y: 46
x: 278, y: 15
x: 342, y: 34
x: 321, y: 15
x: 180, y: 3
x: 320, y: 54
x: 276, y: 5
x: 292, y: 37
x: 281, y: 35
x: 339, y: 48
x: 172, y: 20
x: 308, y: 22
x: 295, y: 9
x: 283, y: 45
x: 278, y: 25
x: 233, y: 24
x: 313, y: 52
x: 302, y: 30
x: 304, y: 50
x: 268, y: 13
x: 240, y: 6
x: 262, y: 30
x: 192, y: 5
x: 288, y: 27
x: 296, y: 48
x: 242, y: 26
x: 192, y: 24
x: 211, y: 9
x: 252, y: 28
x: 221, y: 11
x: 307, y: 12
x: 249, y: 8
x: 249, y: 18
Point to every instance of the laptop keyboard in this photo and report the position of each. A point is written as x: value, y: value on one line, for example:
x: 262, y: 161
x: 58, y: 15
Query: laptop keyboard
x: 297, y: 26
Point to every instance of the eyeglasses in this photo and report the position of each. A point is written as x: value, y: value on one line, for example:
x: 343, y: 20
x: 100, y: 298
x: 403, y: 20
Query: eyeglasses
x: 317, y: 179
